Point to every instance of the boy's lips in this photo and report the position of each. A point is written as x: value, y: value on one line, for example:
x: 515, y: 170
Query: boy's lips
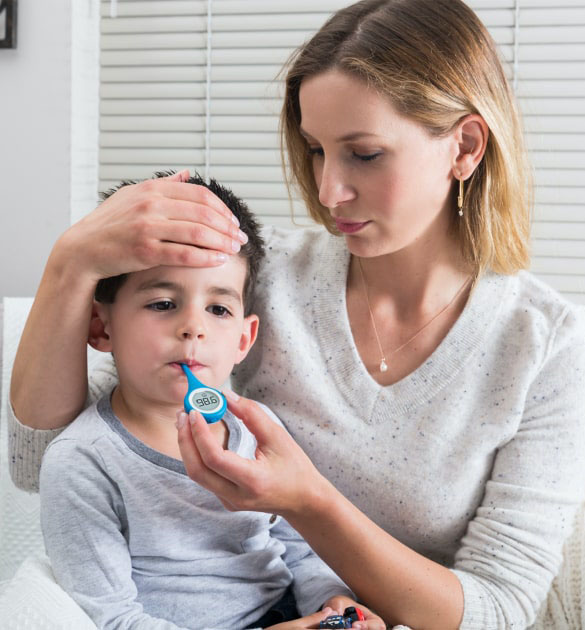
x: 190, y: 363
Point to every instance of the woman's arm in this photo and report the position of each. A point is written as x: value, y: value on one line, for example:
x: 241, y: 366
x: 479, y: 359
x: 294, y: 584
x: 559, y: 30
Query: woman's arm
x: 512, y: 548
x: 156, y: 222
x: 282, y: 479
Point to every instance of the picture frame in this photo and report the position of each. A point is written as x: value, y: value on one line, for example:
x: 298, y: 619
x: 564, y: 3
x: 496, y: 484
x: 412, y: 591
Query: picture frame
x: 8, y: 23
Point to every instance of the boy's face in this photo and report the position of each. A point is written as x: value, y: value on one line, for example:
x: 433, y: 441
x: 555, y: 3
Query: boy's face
x: 165, y: 316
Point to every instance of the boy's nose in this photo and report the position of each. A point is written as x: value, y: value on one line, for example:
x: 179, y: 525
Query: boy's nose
x: 191, y: 328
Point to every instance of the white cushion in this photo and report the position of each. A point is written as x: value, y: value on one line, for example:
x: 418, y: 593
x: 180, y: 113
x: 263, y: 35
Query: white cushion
x: 32, y: 600
x: 20, y: 532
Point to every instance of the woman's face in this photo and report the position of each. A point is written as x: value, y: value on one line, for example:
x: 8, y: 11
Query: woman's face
x: 386, y: 181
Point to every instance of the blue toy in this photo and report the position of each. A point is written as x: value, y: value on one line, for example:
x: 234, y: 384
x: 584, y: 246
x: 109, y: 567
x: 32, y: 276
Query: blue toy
x: 350, y: 614
x: 208, y: 401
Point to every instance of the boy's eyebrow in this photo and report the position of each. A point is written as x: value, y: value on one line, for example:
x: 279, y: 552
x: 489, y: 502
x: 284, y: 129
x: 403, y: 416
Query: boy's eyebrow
x: 157, y: 284
x: 148, y: 285
x: 227, y: 291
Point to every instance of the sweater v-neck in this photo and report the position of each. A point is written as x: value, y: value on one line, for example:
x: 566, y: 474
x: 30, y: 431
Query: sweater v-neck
x: 441, y: 368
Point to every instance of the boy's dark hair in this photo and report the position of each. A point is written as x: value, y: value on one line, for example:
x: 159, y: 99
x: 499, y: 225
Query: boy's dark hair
x: 252, y: 251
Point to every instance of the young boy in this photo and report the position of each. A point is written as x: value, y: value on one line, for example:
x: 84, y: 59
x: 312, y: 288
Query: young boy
x: 130, y: 537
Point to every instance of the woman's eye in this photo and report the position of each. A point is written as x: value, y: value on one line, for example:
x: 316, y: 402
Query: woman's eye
x: 368, y: 157
x: 163, y: 305
x: 219, y: 311
x: 316, y: 151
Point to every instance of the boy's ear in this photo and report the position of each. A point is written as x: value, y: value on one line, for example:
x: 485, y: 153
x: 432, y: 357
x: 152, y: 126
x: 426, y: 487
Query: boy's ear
x: 249, y: 334
x: 98, y: 336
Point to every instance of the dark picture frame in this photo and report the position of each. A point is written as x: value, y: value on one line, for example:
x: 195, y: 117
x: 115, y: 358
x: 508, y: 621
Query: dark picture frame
x: 8, y: 23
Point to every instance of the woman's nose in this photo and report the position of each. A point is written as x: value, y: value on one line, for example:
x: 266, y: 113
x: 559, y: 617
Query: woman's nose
x: 334, y: 189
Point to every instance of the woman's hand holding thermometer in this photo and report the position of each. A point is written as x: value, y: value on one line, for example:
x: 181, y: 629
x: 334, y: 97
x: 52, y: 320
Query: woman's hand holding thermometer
x: 208, y: 401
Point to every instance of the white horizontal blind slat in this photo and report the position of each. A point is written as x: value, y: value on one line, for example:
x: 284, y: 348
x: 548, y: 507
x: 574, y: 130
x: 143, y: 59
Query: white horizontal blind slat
x: 152, y: 88
x: 552, y: 96
x: 153, y: 83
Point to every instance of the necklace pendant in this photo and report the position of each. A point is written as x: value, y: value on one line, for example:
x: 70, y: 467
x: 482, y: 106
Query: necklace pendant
x: 383, y: 365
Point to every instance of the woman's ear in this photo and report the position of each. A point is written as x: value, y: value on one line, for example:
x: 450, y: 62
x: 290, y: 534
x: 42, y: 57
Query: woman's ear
x: 249, y: 334
x: 98, y: 336
x: 471, y: 135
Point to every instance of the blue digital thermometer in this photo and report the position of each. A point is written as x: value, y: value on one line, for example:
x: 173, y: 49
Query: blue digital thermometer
x: 208, y: 401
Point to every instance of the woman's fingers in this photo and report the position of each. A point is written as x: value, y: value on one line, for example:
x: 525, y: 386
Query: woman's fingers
x: 180, y: 243
x: 173, y: 200
x: 194, y: 464
x: 243, y: 484
x: 181, y: 176
x: 276, y: 480
x: 212, y: 467
x: 133, y: 228
x: 196, y: 194
x: 265, y: 430
x: 239, y: 473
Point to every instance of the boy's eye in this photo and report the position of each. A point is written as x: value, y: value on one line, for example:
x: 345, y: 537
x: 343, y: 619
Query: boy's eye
x: 218, y: 310
x: 163, y: 305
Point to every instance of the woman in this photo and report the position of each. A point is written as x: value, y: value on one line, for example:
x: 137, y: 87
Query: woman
x: 433, y: 388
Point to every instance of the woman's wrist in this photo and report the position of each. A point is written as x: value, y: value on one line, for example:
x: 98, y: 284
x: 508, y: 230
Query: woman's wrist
x: 320, y: 497
x: 68, y: 266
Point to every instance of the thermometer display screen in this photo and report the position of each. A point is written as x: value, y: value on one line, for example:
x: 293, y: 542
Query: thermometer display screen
x: 205, y: 400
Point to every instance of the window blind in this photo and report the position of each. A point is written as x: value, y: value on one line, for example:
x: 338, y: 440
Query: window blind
x: 158, y: 111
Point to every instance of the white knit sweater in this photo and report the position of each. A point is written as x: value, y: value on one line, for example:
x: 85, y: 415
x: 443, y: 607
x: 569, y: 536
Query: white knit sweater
x: 474, y: 460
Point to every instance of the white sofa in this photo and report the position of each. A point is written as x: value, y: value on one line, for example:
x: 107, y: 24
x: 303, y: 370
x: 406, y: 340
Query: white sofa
x: 31, y: 599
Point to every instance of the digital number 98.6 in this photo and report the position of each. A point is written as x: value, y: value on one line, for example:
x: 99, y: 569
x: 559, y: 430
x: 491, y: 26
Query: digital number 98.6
x: 207, y: 401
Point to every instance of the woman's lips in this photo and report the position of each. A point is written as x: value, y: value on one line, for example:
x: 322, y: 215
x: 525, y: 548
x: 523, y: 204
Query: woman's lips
x: 349, y: 227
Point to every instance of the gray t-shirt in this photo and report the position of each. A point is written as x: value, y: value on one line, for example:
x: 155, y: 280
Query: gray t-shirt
x: 139, y: 545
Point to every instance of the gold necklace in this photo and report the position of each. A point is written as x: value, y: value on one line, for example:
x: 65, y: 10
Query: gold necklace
x: 383, y: 363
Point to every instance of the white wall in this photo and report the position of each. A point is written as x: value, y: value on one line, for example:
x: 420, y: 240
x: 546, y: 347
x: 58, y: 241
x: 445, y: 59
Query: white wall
x: 37, y: 128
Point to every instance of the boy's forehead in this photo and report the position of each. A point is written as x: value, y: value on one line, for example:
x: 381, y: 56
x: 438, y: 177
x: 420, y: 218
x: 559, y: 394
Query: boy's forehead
x: 231, y: 274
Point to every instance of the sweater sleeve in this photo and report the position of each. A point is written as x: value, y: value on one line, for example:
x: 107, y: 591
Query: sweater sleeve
x: 26, y: 446
x: 82, y: 519
x: 513, y: 547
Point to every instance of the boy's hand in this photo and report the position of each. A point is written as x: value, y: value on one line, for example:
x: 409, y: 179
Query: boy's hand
x: 339, y: 603
x: 304, y: 623
x: 333, y: 606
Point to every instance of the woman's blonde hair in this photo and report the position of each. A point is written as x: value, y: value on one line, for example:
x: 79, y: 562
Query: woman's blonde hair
x: 436, y: 63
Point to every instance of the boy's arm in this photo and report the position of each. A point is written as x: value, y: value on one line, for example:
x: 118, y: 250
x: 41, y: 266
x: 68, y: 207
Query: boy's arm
x: 81, y: 517
x: 314, y: 582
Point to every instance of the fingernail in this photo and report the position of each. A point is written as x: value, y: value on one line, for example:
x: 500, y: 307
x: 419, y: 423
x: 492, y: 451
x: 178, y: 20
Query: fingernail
x: 221, y: 258
x: 236, y: 246
x: 231, y: 394
x: 243, y: 237
x: 235, y: 220
x: 181, y: 419
x: 327, y: 610
x: 192, y: 417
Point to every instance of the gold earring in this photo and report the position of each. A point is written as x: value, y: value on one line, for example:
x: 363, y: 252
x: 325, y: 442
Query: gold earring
x: 460, y: 198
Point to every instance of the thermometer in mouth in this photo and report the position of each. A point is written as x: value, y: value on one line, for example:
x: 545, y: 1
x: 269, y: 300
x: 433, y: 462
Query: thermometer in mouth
x: 209, y: 402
